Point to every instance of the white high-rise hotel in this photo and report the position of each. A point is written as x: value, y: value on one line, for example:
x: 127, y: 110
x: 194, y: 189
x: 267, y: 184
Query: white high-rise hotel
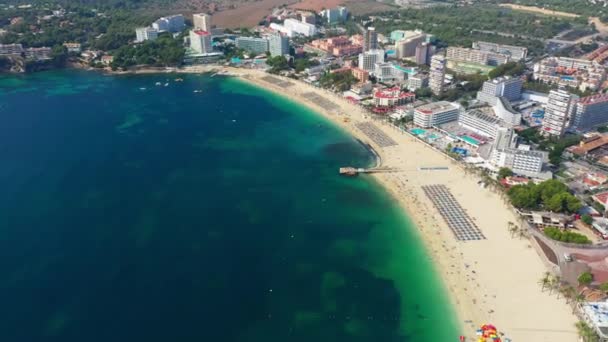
x: 437, y: 74
x: 559, y: 110
x: 368, y: 59
x: 202, y: 21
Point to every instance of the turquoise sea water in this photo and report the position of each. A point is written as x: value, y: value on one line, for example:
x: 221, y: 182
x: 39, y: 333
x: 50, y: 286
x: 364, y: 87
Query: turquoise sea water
x: 135, y: 212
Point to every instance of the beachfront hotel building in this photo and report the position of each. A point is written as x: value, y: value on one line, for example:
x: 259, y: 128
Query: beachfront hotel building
x: 278, y: 44
x: 558, y: 111
x: 479, y: 122
x: 370, y: 39
x: 596, y: 315
x: 522, y: 162
x: 202, y: 21
x: 145, y: 33
x: 591, y: 112
x: 517, y: 53
x: 436, y: 113
x: 437, y: 74
x: 392, y: 97
x: 255, y: 45
x: 388, y: 72
x: 368, y: 59
x: 200, y: 41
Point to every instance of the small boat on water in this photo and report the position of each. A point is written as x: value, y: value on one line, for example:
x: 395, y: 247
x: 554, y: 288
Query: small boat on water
x: 166, y: 84
x: 142, y: 88
x: 179, y: 80
x: 157, y: 83
x: 197, y: 91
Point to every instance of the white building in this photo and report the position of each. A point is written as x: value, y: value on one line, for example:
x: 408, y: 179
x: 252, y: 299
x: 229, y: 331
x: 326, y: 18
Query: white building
x: 476, y: 56
x: 200, y: 41
x: 417, y: 81
x: 145, y: 33
x: 437, y: 74
x: 294, y: 27
x: 507, y: 87
x: 596, y: 315
x: 517, y: 53
x: 256, y: 45
x: 479, y: 122
x: 202, y: 21
x: 558, y: 111
x: 407, y: 47
x: 368, y: 59
x: 522, y: 162
x: 335, y: 15
x: 388, y: 72
x: 278, y: 44
x: 436, y: 113
x: 392, y: 97
x: 174, y: 23
x: 505, y: 112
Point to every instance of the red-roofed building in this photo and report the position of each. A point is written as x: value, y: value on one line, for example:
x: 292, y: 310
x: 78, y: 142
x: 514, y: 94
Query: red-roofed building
x: 509, y: 182
x: 594, y: 179
x: 601, y: 198
x: 392, y: 97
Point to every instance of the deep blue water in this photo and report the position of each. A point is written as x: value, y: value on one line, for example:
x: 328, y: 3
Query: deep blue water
x: 161, y: 214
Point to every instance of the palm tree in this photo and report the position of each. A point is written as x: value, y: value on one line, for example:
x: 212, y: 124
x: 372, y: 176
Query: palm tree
x: 556, y: 283
x: 568, y: 293
x: 522, y: 233
x: 512, y: 228
x: 586, y: 332
x: 545, y: 281
x: 578, y: 299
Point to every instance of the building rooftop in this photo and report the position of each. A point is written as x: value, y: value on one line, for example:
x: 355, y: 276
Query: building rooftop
x: 435, y: 107
x: 201, y: 33
x: 586, y: 147
x: 601, y: 197
x: 392, y: 93
x: 483, y: 116
x: 594, y: 99
x: 597, y: 312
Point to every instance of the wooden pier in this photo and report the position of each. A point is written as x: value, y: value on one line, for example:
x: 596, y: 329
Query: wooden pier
x: 353, y: 171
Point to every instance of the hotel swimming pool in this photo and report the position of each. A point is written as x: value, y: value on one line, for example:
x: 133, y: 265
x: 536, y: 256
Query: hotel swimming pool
x: 567, y: 78
x: 470, y: 140
x: 418, y: 131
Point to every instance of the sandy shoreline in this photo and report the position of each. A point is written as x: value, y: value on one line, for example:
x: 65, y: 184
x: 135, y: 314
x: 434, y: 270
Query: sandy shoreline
x: 488, y: 281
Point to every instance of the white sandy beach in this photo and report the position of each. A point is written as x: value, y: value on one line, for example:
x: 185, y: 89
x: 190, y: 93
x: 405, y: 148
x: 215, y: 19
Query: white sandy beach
x: 499, y: 284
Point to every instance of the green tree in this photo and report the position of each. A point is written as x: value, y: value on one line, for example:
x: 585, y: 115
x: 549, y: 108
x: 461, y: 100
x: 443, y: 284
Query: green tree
x: 504, y: 172
x: 586, y: 278
x: 587, y: 219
